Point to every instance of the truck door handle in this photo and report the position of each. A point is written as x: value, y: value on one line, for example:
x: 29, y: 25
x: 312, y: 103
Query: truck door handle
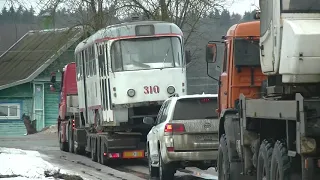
x: 261, y: 49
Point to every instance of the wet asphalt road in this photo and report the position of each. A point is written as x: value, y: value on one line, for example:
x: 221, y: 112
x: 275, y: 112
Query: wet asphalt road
x: 47, y: 145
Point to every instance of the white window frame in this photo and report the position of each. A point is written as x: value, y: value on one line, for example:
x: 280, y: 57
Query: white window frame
x: 11, y: 117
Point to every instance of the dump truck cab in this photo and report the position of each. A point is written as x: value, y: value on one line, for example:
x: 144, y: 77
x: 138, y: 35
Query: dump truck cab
x: 240, y: 71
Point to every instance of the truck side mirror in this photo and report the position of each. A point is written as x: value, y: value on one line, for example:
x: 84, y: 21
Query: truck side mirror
x: 187, y: 56
x: 53, y: 78
x: 148, y: 120
x: 257, y: 15
x: 211, y: 52
x: 53, y: 81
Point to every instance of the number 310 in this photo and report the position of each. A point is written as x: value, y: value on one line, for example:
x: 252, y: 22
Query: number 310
x: 151, y: 89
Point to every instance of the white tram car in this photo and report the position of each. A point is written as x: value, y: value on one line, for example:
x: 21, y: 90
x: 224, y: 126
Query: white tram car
x: 126, y: 71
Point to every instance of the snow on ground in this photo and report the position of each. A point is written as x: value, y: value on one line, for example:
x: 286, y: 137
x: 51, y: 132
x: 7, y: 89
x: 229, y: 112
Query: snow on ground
x: 50, y: 130
x: 25, y: 164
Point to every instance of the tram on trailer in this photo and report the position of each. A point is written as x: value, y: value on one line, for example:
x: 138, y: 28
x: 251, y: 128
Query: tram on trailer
x: 126, y: 71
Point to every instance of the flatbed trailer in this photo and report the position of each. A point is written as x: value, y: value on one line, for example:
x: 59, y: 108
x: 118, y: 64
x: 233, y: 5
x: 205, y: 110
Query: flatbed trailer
x: 121, y: 74
x: 101, y: 146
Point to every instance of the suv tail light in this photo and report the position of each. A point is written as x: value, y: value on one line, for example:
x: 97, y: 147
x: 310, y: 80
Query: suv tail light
x: 174, y: 128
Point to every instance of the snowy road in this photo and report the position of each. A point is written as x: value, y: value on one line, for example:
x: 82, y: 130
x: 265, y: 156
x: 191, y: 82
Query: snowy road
x: 48, y: 146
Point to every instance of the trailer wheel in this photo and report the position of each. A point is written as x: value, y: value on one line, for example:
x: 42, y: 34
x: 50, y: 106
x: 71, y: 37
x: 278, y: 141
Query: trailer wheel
x: 223, y: 159
x: 63, y: 145
x: 103, y: 159
x: 280, y: 163
x: 93, y: 150
x: 264, y: 160
x: 70, y: 139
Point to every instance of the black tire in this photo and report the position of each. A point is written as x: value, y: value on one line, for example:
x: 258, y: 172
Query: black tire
x: 166, y: 171
x: 94, y: 152
x: 223, y: 159
x: 63, y: 145
x: 280, y: 162
x: 227, y: 170
x: 103, y: 159
x: 98, y: 151
x: 153, y: 171
x: 79, y: 150
x: 70, y: 139
x: 264, y: 160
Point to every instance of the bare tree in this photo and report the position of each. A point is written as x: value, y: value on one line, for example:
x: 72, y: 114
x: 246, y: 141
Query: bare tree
x: 185, y: 13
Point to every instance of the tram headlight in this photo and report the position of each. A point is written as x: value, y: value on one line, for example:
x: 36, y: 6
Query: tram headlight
x: 131, y: 92
x: 171, y: 90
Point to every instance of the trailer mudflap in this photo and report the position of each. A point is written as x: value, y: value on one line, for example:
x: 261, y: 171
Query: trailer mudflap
x: 122, y: 141
x: 80, y: 137
x: 124, y: 146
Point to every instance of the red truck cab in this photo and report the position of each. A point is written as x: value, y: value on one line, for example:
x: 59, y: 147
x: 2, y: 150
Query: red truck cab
x: 68, y: 88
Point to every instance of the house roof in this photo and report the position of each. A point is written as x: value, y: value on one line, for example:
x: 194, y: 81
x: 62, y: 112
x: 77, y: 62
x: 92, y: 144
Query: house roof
x: 33, y: 53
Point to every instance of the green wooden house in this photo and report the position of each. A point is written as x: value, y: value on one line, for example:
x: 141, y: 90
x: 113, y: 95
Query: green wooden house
x: 25, y: 70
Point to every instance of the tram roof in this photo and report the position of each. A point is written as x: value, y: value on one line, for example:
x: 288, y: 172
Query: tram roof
x: 127, y: 30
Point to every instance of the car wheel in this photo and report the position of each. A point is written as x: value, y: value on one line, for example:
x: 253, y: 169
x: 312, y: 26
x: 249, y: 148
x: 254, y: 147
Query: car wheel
x: 153, y: 171
x: 166, y: 171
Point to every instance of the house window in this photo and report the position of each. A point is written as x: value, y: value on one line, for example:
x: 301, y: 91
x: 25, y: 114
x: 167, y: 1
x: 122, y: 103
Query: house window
x: 10, y: 111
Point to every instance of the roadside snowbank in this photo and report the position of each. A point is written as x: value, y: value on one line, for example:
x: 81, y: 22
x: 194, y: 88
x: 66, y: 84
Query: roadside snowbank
x: 50, y: 130
x: 25, y: 164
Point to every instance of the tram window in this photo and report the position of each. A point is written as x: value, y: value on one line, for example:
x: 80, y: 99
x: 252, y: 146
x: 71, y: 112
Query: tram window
x: 82, y: 64
x: 87, y: 69
x: 77, y: 66
x: 106, y: 59
x: 90, y: 67
x: 81, y: 71
x: 103, y: 59
x: 93, y: 52
x: 101, y: 62
x: 100, y: 52
x: 100, y: 65
x: 89, y: 53
x: 94, y: 67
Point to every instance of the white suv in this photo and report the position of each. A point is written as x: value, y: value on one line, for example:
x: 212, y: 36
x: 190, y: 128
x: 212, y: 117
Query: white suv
x: 184, y: 134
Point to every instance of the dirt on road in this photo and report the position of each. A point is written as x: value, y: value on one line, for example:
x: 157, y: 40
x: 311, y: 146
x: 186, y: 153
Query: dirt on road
x: 46, y: 142
x: 47, y: 145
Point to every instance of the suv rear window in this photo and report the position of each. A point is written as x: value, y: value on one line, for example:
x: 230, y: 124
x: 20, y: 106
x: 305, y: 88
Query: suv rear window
x: 195, y: 108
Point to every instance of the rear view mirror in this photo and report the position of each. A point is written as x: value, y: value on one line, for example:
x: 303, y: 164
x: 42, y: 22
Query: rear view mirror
x: 53, y: 81
x: 148, y: 120
x: 256, y: 15
x: 53, y: 77
x: 211, y: 52
x: 188, y: 57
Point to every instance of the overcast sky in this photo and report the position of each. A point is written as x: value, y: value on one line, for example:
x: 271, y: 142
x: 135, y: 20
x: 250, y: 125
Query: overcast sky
x: 238, y: 6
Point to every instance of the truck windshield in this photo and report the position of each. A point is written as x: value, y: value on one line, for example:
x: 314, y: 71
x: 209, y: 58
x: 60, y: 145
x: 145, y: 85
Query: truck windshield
x: 246, y: 52
x: 303, y: 6
x: 195, y: 108
x: 146, y: 53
